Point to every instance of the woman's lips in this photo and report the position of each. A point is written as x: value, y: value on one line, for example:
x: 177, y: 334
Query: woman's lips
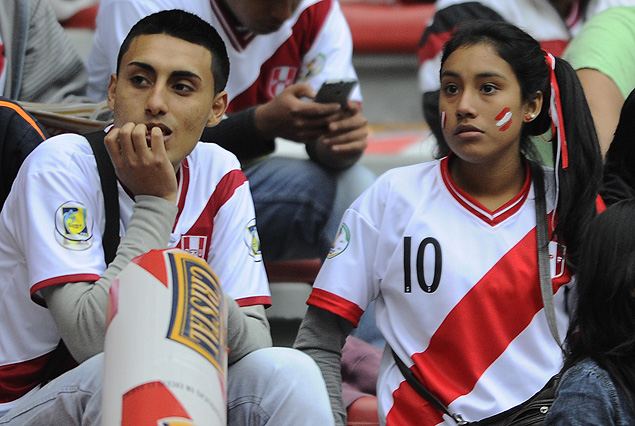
x: 467, y: 131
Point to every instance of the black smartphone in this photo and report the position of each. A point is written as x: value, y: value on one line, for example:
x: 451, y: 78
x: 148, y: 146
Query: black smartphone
x: 336, y: 91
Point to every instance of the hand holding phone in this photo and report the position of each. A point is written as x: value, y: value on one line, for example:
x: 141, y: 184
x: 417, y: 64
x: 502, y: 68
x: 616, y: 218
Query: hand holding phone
x: 336, y: 91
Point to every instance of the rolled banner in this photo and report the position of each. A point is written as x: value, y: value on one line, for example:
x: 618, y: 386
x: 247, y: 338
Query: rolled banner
x: 165, y: 355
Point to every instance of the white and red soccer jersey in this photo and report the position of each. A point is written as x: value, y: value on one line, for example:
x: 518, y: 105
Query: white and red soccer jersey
x: 457, y: 292
x: 51, y: 228
x: 313, y: 45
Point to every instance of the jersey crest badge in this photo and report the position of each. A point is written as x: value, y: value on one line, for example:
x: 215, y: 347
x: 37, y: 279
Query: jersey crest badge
x: 342, y: 239
x: 279, y: 79
x: 313, y: 68
x: 73, y: 226
x: 252, y: 240
x: 194, y: 245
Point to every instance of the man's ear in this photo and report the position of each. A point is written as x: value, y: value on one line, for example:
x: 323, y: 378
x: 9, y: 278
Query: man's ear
x: 112, y: 86
x: 219, y: 106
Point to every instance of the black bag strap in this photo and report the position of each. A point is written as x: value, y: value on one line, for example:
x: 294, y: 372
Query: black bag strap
x: 546, y: 289
x: 108, y: 179
x: 110, y: 238
x: 425, y: 393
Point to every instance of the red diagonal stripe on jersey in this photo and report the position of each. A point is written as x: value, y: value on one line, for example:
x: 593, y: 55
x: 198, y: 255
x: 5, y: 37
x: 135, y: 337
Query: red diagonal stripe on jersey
x: 184, y: 182
x: 483, y: 319
x: 225, y: 189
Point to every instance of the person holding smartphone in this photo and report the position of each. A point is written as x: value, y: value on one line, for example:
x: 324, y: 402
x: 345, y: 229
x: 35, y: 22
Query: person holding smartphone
x: 280, y: 53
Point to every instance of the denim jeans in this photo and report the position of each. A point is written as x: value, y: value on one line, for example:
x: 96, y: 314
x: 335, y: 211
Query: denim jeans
x: 272, y: 386
x: 299, y: 204
x: 587, y: 396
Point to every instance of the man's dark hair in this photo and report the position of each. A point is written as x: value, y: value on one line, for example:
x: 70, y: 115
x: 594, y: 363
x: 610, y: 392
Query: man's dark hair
x: 185, y: 26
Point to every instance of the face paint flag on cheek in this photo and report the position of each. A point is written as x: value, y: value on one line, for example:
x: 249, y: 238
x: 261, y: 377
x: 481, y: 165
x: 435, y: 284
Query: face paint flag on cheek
x: 443, y: 119
x: 504, y: 119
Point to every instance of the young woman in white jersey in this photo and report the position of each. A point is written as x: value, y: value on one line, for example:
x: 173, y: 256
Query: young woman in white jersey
x: 448, y: 250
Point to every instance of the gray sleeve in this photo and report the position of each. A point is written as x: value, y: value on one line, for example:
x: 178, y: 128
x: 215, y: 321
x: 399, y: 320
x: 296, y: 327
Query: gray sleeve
x: 79, y: 309
x: 322, y: 335
x: 247, y: 329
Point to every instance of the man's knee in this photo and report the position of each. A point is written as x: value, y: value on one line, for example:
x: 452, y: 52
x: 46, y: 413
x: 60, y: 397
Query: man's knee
x: 277, y: 361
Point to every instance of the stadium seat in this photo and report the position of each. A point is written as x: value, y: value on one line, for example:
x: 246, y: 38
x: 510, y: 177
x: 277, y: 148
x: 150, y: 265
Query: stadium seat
x: 290, y: 283
x: 387, y: 28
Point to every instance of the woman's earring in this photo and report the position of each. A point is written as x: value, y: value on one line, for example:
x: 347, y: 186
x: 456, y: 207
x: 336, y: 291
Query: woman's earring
x: 530, y: 117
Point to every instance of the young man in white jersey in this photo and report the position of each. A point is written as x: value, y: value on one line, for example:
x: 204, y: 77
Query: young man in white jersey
x: 281, y: 52
x: 173, y: 191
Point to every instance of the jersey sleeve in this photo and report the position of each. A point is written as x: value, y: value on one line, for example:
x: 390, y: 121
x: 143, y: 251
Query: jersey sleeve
x: 55, y: 216
x: 331, y: 55
x: 235, y: 249
x: 349, y: 278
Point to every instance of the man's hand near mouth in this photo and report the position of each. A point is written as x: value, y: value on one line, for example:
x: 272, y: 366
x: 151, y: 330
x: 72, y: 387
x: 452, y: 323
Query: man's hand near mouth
x: 141, y: 161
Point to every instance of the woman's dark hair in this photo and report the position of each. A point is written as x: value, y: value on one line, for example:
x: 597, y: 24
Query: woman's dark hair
x: 618, y: 181
x: 603, y: 325
x: 579, y: 183
x: 185, y: 26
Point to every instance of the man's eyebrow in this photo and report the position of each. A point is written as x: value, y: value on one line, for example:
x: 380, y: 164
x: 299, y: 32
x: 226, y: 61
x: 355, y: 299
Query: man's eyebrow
x: 187, y: 74
x: 174, y: 74
x: 143, y: 65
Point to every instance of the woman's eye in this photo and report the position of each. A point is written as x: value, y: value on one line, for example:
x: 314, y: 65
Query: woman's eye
x: 489, y: 88
x: 451, y: 89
